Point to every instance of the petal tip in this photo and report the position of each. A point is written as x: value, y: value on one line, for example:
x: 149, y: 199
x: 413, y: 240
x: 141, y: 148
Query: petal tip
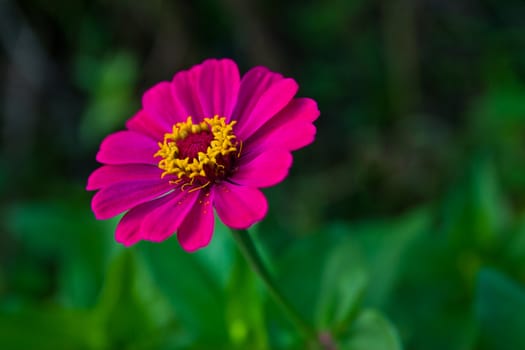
x: 126, y: 243
x: 192, y: 247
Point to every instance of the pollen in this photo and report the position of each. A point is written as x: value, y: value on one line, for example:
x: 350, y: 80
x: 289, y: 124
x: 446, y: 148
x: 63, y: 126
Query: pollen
x: 199, y: 154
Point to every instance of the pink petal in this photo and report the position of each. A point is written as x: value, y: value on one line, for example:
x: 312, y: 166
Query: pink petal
x: 218, y: 87
x: 143, y: 123
x: 129, y: 228
x: 160, y: 103
x: 264, y: 170
x: 108, y: 175
x: 115, y: 199
x: 262, y: 95
x: 164, y: 220
x: 239, y: 206
x: 185, y: 90
x: 253, y: 85
x: 196, y: 229
x: 290, y: 129
x: 292, y: 137
x: 125, y: 147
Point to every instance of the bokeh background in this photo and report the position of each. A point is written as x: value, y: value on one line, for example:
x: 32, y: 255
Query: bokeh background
x: 402, y: 226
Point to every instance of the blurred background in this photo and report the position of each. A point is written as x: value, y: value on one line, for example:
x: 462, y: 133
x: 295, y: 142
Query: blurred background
x: 402, y: 226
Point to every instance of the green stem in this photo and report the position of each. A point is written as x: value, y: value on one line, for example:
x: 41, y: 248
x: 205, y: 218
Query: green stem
x: 245, y: 243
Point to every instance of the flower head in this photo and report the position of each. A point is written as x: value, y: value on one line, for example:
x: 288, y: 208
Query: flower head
x: 208, y: 140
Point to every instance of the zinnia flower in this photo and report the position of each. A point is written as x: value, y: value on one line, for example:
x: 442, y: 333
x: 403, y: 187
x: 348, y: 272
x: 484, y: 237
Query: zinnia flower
x: 206, y: 140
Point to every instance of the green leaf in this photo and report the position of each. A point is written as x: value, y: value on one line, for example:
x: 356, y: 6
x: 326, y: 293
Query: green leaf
x: 300, y: 270
x: 50, y: 229
x: 498, y: 117
x: 371, y: 331
x: 497, y: 120
x: 193, y: 289
x: 476, y: 212
x: 133, y: 313
x: 383, y: 245
x: 342, y: 286
x: 432, y: 300
x: 218, y: 257
x: 49, y: 328
x: 244, y: 308
x: 500, y: 310
x: 515, y: 246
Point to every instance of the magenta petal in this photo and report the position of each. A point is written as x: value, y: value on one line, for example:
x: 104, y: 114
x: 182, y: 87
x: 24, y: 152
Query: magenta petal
x: 196, y: 229
x: 108, y: 175
x: 292, y: 137
x: 218, y: 87
x: 115, y: 199
x: 290, y: 129
x: 143, y: 123
x: 264, y: 170
x: 253, y: 85
x: 125, y: 147
x: 160, y: 103
x: 163, y: 221
x: 239, y: 206
x: 303, y: 108
x: 262, y: 95
x: 130, y: 228
x: 185, y: 90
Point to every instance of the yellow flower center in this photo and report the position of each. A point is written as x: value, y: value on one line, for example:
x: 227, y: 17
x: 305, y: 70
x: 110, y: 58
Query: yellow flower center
x: 199, y: 154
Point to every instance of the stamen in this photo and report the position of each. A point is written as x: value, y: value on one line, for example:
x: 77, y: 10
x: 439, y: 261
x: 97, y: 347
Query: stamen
x: 175, y: 182
x: 240, y: 149
x: 198, y: 151
x: 199, y: 188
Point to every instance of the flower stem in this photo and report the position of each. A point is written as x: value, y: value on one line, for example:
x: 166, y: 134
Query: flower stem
x: 245, y: 243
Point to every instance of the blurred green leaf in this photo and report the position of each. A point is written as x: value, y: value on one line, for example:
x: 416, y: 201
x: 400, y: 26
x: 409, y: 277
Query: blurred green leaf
x: 51, y: 229
x: 500, y: 309
x: 514, y: 251
x: 383, y: 245
x: 342, y: 286
x: 371, y: 331
x: 192, y: 288
x: 244, y: 308
x: 367, y: 253
x: 50, y: 328
x: 443, y: 312
x: 497, y: 119
x: 476, y: 212
x: 300, y: 269
x: 131, y: 310
x: 218, y: 257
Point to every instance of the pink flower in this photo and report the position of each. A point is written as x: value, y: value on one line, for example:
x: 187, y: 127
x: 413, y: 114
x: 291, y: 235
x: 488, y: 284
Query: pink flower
x: 206, y: 140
